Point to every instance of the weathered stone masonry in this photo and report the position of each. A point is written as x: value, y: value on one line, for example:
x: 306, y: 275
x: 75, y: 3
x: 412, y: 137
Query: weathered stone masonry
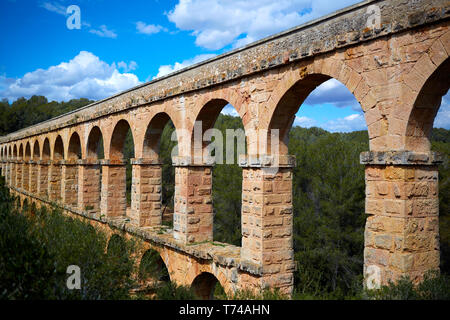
x: 398, y: 70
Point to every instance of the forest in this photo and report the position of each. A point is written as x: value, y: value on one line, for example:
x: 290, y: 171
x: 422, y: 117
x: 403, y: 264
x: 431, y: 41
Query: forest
x: 328, y: 199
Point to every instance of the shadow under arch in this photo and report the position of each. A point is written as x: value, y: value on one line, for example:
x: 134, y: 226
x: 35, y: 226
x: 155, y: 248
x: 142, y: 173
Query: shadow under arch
x: 74, y: 148
x: 118, y: 137
x: 27, y: 151
x: 58, y: 149
x: 204, y: 286
x: 46, y: 152
x: 36, y: 151
x: 426, y: 107
x: 94, y: 145
x: 153, y: 134
x: 153, y: 268
x: 117, y: 247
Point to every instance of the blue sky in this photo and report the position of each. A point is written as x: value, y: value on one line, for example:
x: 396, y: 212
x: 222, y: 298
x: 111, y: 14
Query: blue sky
x: 124, y: 43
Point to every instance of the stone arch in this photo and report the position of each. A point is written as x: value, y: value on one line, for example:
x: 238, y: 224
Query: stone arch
x: 296, y: 85
x: 58, y: 148
x: 10, y: 152
x: 15, y: 151
x: 94, y: 143
x: 431, y: 84
x: 117, y: 246
x: 118, y: 139
x: 208, y: 114
x: 46, y: 151
x: 153, y: 133
x: 204, y: 285
x: 152, y: 265
x: 74, y: 148
x: 36, y: 150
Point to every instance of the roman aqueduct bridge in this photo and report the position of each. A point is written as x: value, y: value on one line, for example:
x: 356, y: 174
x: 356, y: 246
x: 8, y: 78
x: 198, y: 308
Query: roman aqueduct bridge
x: 392, y: 55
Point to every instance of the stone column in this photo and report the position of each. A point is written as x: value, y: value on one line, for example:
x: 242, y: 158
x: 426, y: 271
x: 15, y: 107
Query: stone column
x: 146, y: 192
x: 402, y: 227
x: 69, y: 183
x: 7, y: 171
x: 89, y: 181
x: 193, y: 216
x: 113, y: 194
x: 26, y: 175
x: 3, y: 167
x: 54, y: 181
x: 267, y: 213
x: 19, y: 166
x: 43, y: 178
x: 33, y: 176
x: 12, y: 175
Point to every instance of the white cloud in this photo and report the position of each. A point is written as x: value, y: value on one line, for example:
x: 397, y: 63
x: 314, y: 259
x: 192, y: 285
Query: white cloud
x: 54, y: 7
x: 127, y: 67
x: 304, y: 122
x: 230, y: 111
x: 335, y: 93
x: 85, y: 76
x: 104, y: 32
x: 218, y: 23
x: 352, y: 122
x: 144, y: 28
x: 166, y: 69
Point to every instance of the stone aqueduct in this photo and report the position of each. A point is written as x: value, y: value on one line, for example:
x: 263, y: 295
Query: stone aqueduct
x: 397, y: 68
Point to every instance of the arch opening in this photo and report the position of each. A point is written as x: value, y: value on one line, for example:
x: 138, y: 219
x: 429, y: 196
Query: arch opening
x: 92, y: 173
x: 58, y: 149
x: 36, y: 151
x: 55, y: 174
x: 74, y: 151
x: 70, y: 182
x: 117, y: 248
x: 159, y: 147
x: 121, y: 149
x: 152, y: 268
x: 204, y: 286
x: 425, y: 109
x: 321, y: 123
x: 223, y: 138
x: 95, y: 148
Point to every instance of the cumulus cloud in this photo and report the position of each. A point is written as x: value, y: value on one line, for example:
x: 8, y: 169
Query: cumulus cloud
x: 127, y: 67
x: 218, y: 23
x: 104, y: 32
x: 85, y: 76
x: 335, y: 93
x: 352, y: 122
x: 304, y: 122
x: 230, y: 111
x: 144, y: 28
x: 166, y: 69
